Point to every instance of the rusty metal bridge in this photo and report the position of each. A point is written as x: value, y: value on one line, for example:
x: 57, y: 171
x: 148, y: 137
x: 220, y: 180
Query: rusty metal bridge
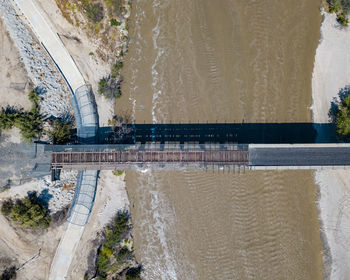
x: 99, y: 157
x: 198, y: 156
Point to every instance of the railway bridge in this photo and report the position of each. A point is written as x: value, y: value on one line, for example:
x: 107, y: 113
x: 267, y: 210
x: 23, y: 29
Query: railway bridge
x: 198, y: 156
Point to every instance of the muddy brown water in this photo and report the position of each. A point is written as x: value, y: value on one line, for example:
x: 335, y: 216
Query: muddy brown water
x: 190, y: 61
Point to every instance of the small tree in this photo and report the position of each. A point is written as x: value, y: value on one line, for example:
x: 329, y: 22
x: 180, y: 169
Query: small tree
x: 6, y: 207
x: 7, y: 121
x: 133, y: 274
x: 341, y: 8
x: 114, y: 22
x: 61, y: 132
x: 93, y: 11
x: 9, y: 273
x: 29, y: 123
x: 27, y: 212
x: 34, y: 98
x: 118, y: 173
x: 115, y: 71
x: 109, y: 88
x: 342, y: 18
x: 341, y: 116
x: 334, y: 6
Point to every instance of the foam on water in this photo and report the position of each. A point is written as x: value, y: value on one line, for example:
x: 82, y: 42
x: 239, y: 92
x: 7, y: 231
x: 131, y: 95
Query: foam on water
x: 158, y: 264
x: 155, y: 75
x: 156, y: 79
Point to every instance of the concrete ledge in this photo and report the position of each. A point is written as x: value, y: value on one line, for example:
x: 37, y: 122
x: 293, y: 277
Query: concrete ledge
x: 315, y: 167
x: 331, y: 145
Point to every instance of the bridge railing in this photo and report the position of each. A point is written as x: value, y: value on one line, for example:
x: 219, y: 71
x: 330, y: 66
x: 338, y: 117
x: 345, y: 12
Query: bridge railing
x: 147, y: 147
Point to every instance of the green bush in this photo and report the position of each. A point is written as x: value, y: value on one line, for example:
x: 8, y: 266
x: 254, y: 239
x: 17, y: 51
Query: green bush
x: 343, y: 19
x: 4, y: 188
x: 6, y: 207
x: 29, y: 123
x: 114, y: 233
x: 9, y: 273
x: 341, y: 117
x: 93, y: 11
x: 115, y: 71
x: 102, y: 264
x: 133, y: 274
x: 109, y: 88
x: 61, y: 132
x: 341, y: 8
x: 118, y: 172
x: 115, y: 5
x: 334, y: 6
x: 34, y: 98
x: 123, y: 255
x: 27, y: 212
x: 114, y: 22
x: 7, y: 120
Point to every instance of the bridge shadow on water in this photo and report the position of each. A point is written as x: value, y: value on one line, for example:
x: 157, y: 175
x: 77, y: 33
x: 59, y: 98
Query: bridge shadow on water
x: 241, y: 133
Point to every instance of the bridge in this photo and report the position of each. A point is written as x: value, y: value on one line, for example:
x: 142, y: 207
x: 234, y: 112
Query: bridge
x: 198, y: 156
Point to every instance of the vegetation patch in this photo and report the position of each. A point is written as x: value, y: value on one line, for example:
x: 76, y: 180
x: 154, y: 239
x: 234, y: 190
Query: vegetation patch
x: 109, y: 87
x: 60, y: 132
x: 8, y: 273
x: 341, y: 8
x: 118, y: 173
x: 94, y: 11
x: 115, y: 6
x: 115, y: 258
x: 28, y: 212
x: 340, y: 113
x: 29, y: 123
x: 99, y: 19
x: 114, y: 22
x: 115, y: 71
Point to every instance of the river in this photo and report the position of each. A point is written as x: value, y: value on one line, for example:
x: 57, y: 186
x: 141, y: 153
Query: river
x: 217, y: 61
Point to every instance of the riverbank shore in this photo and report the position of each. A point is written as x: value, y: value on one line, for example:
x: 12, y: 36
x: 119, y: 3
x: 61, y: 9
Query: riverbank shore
x: 108, y: 201
x: 331, y: 74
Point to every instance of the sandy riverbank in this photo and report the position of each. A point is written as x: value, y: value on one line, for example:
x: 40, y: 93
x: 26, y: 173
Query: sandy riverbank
x: 331, y: 73
x: 111, y: 197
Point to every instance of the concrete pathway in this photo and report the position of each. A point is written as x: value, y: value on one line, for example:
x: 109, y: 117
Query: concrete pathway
x: 48, y: 37
x: 65, y: 252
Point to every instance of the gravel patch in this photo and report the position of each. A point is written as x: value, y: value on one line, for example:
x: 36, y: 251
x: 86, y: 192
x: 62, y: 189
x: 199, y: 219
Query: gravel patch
x: 58, y: 194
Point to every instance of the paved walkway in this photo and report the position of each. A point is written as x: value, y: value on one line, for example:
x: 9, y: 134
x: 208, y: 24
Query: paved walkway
x: 65, y: 252
x: 49, y: 38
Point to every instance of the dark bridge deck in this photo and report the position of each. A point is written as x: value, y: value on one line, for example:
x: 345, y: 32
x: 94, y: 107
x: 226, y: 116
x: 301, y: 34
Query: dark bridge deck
x: 178, y: 156
x: 117, y: 158
x: 111, y: 159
